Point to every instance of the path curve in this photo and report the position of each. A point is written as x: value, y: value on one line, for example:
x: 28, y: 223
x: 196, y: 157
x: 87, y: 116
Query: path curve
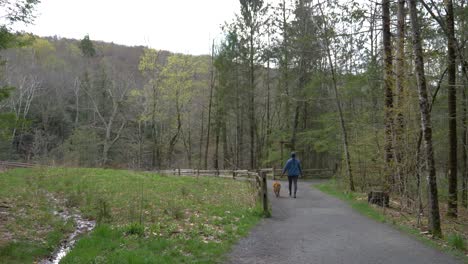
x: 316, y: 228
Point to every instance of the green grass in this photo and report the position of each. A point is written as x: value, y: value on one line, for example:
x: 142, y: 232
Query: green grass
x: 358, y: 205
x: 456, y: 241
x: 142, y: 217
x: 361, y: 206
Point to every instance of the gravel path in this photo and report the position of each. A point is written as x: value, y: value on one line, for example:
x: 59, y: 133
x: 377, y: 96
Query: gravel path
x: 319, y: 229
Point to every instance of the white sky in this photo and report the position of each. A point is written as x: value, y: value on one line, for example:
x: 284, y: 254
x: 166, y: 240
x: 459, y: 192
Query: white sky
x: 186, y: 26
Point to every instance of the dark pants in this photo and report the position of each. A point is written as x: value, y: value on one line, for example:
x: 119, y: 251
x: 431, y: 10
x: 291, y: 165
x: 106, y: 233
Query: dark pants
x: 292, y: 179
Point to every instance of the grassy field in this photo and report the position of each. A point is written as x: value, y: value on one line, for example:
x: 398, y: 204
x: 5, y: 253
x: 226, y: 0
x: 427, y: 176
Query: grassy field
x: 454, y: 241
x: 142, y: 217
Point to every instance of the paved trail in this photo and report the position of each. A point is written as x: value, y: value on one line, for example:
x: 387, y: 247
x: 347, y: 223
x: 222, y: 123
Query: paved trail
x: 319, y: 229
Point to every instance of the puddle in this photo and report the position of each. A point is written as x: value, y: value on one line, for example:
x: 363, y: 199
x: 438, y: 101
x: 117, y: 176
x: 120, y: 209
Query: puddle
x: 82, y: 226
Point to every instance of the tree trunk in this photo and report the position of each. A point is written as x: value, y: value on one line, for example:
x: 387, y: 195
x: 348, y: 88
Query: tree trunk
x: 200, y: 147
x: 464, y: 154
x: 140, y: 145
x: 216, y: 154
x: 285, y: 69
x: 388, y: 89
x: 77, y: 101
x: 344, y: 134
x: 208, y: 127
x: 295, y: 127
x: 252, y: 103
x: 400, y: 82
x: 465, y: 129
x: 434, y: 216
x: 226, y: 155
x: 174, y: 139
x: 452, y: 111
x: 239, y: 122
x: 154, y: 134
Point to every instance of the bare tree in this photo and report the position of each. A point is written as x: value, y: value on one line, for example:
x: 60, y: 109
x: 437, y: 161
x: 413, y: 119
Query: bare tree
x: 434, y: 216
x: 115, y: 119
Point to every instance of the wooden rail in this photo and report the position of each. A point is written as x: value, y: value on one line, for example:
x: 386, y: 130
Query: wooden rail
x: 258, y: 178
x: 14, y: 164
x: 270, y: 173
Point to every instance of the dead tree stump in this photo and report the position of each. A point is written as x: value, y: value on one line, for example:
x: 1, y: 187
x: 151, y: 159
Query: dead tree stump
x: 379, y: 198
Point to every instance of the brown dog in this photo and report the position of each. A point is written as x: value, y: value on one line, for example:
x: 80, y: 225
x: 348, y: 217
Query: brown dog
x: 277, y: 188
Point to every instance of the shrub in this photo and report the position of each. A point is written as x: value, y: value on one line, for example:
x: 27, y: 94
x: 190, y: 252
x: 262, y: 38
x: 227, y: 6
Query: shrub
x: 103, y: 214
x: 456, y: 241
x: 135, y: 229
x: 184, y: 191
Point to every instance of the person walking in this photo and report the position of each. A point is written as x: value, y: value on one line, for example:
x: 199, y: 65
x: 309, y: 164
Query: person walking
x: 294, y: 170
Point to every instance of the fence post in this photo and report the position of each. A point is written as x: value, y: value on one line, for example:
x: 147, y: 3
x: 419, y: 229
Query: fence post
x: 273, y: 172
x: 178, y: 171
x: 266, y: 212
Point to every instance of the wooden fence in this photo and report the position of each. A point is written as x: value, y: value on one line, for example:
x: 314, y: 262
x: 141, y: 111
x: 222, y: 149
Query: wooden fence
x: 270, y: 173
x: 258, y: 178
x: 13, y: 164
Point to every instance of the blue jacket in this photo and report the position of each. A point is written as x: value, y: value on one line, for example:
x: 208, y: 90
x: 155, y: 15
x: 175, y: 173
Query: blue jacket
x: 293, y: 167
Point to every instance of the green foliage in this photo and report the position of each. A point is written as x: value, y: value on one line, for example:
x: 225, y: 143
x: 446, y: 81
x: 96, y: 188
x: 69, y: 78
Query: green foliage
x: 456, y: 241
x: 82, y: 147
x: 15, y: 12
x: 359, y: 205
x: 178, y: 78
x: 7, y: 123
x: 103, y: 214
x: 87, y: 47
x: 150, y: 64
x: 326, y: 137
x: 5, y: 92
x: 7, y: 39
x: 135, y: 229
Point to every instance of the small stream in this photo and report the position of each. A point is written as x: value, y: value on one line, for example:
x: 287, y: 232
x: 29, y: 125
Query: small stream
x: 82, y: 226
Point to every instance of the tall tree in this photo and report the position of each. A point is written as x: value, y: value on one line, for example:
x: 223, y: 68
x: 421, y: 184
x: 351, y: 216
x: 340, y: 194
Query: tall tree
x: 426, y: 124
x: 87, y: 47
x: 388, y: 89
x: 150, y: 66
x: 253, y: 19
x: 178, y: 90
x: 452, y: 111
x: 210, y: 104
x: 400, y: 85
x: 344, y: 132
x: 108, y: 101
x: 306, y: 53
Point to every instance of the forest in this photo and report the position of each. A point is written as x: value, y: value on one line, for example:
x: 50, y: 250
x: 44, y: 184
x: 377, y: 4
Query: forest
x: 375, y: 90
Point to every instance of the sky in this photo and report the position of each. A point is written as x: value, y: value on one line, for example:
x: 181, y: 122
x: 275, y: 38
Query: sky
x: 186, y: 26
